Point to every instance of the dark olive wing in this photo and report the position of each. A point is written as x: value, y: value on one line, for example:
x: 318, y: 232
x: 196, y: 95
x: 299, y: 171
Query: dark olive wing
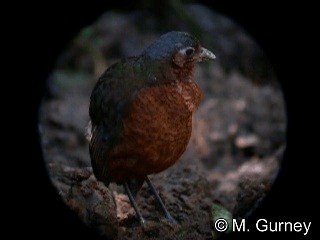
x: 109, y: 103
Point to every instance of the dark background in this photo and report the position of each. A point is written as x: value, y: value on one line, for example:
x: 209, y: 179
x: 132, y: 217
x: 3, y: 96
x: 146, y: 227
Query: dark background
x: 46, y: 29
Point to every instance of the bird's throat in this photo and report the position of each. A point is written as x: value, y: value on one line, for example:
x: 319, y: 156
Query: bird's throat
x: 183, y: 74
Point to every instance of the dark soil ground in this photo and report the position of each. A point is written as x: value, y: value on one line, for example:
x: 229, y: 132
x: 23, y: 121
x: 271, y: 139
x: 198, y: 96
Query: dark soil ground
x: 236, y: 146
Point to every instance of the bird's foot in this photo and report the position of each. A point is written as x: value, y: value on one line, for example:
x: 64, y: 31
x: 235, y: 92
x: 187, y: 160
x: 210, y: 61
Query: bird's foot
x: 134, y: 205
x: 168, y: 216
x: 143, y: 222
x: 171, y: 220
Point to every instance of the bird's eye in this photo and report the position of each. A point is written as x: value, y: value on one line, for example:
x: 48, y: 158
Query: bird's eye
x: 189, y: 51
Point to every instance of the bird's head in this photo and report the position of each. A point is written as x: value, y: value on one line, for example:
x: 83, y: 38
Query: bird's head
x: 179, y: 48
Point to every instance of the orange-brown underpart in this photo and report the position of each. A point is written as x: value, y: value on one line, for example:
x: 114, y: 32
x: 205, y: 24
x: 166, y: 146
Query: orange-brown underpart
x: 156, y: 130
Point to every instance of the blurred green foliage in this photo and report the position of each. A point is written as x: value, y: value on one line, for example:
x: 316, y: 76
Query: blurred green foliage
x: 219, y: 212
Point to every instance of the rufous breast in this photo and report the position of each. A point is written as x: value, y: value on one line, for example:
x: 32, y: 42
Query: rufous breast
x: 156, y: 130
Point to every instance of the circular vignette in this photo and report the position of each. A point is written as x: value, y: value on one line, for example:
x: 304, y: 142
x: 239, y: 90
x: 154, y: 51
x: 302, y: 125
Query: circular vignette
x: 238, y: 134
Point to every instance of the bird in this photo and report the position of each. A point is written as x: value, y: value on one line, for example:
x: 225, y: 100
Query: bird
x: 141, y: 114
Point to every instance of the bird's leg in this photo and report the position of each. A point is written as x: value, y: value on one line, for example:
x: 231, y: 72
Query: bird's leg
x: 165, y: 211
x: 134, y: 204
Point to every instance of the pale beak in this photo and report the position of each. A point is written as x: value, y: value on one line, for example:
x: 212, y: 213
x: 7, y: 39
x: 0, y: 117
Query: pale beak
x: 205, y: 54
